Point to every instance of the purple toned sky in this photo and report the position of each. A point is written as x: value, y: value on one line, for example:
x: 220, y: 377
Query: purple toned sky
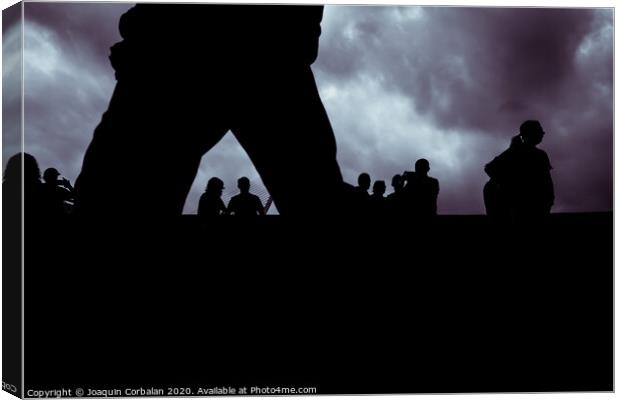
x: 399, y: 83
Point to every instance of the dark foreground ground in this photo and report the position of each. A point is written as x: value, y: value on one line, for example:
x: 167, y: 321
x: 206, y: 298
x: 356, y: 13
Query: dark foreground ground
x: 347, y: 307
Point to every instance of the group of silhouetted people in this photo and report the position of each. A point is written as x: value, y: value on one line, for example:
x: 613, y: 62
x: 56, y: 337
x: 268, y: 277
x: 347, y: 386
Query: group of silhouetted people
x: 256, y: 81
x: 520, y: 188
x: 415, y: 194
x: 244, y: 204
x: 52, y: 196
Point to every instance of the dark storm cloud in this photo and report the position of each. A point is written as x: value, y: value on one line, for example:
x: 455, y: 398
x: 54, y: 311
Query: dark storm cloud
x: 465, y: 68
x: 11, y: 82
x: 68, y: 81
x: 84, y: 30
x: 471, y: 76
x: 399, y: 83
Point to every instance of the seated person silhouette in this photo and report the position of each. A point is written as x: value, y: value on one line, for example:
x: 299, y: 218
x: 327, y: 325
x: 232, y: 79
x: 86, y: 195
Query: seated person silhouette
x: 394, y: 201
x: 211, y: 203
x: 521, y: 187
x: 57, y: 193
x: 376, y: 201
x: 421, y: 190
x: 189, y: 73
x: 245, y: 204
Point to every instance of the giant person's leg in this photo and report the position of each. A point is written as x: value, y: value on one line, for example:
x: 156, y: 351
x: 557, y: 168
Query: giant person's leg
x: 145, y: 152
x: 283, y: 126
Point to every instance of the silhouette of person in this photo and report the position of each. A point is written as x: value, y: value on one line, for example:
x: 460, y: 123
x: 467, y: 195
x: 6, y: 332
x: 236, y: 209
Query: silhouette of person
x: 421, y: 190
x: 172, y: 104
x: 32, y: 186
x: 57, y: 193
x: 363, y: 184
x: 376, y: 201
x: 521, y: 187
x: 245, y: 203
x: 211, y: 203
x: 394, y: 201
x: 359, y: 195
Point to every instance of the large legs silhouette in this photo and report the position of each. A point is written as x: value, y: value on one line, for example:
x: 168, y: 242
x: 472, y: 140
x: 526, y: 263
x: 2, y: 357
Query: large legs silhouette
x: 148, y: 146
x: 290, y: 141
x: 173, y: 103
x: 146, y: 151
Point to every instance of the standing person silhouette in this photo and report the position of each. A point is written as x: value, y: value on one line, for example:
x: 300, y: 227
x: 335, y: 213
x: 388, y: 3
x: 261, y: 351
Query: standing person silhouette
x: 521, y: 187
x: 376, y: 201
x: 395, y: 202
x: 421, y: 190
x: 245, y: 204
x: 186, y: 75
x: 359, y: 195
x: 211, y: 203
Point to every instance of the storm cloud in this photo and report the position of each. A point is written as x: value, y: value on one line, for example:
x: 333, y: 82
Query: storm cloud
x: 399, y: 83
x: 453, y: 85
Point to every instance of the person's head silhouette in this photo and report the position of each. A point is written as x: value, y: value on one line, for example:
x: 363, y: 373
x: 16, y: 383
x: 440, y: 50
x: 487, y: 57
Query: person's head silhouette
x: 422, y: 166
x: 397, y: 183
x: 215, y: 186
x: 378, y: 188
x: 50, y: 176
x: 243, y: 184
x: 13, y: 171
x: 363, y: 181
x: 531, y: 133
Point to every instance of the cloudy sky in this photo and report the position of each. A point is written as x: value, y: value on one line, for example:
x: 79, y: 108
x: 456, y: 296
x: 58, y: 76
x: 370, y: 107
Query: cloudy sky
x: 449, y: 84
